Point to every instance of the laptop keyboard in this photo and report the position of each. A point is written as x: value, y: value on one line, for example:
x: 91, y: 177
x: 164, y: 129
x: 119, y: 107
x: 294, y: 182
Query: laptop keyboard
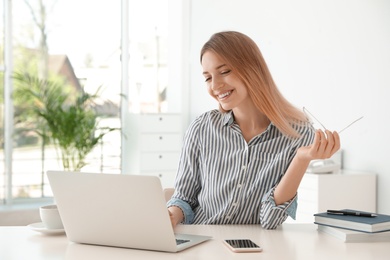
x: 181, y: 241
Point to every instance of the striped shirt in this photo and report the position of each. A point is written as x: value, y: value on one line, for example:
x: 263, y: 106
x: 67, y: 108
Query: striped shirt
x: 222, y: 179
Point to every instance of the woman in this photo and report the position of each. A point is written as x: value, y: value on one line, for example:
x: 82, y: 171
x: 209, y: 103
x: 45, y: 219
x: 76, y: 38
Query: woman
x: 242, y: 164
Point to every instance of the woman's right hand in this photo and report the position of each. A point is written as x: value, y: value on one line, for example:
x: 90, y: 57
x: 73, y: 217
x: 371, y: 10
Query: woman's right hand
x: 176, y: 215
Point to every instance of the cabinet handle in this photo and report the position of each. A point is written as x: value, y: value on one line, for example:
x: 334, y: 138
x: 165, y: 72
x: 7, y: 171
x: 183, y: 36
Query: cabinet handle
x: 160, y: 137
x: 160, y: 175
x: 160, y: 118
x: 160, y: 156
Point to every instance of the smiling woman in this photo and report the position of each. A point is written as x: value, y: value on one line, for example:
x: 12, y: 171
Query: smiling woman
x: 221, y: 179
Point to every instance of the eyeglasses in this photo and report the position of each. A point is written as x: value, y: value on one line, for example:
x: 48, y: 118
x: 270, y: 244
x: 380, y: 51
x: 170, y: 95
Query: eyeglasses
x: 308, y: 112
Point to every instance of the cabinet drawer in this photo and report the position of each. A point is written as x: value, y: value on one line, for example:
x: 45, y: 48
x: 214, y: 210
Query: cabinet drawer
x: 160, y: 123
x: 163, y: 161
x: 160, y: 142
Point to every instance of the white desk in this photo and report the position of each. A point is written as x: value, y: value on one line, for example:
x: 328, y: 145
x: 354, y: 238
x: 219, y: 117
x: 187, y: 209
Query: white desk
x: 292, y: 241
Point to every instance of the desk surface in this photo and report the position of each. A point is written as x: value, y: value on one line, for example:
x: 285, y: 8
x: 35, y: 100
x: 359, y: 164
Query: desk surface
x: 291, y: 241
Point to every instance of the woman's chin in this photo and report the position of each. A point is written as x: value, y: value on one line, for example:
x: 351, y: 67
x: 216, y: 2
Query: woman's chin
x: 225, y: 107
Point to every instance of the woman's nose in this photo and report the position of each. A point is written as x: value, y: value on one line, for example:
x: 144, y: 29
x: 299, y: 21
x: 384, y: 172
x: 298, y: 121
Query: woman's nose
x: 216, y: 84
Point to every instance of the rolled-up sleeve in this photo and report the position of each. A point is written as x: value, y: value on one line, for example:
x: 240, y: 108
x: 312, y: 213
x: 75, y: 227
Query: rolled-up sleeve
x: 185, y: 208
x: 272, y: 215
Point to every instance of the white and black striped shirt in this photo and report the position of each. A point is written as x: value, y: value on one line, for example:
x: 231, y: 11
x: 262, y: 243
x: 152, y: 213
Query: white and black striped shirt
x: 222, y: 179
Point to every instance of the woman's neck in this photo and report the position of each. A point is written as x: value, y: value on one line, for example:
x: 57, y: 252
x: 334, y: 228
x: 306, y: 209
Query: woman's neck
x: 252, y: 122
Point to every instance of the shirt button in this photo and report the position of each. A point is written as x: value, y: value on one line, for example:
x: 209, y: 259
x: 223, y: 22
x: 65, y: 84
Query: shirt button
x: 239, y: 186
x: 244, y: 167
x: 234, y: 204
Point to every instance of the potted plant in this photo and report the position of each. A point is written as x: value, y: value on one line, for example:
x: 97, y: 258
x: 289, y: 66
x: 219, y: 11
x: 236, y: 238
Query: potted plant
x: 68, y: 120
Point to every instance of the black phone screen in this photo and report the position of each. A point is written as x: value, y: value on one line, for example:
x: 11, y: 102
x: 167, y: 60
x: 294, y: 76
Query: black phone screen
x: 241, y: 243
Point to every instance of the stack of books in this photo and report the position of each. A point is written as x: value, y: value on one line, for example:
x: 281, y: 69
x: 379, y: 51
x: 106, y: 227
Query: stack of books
x: 354, y: 226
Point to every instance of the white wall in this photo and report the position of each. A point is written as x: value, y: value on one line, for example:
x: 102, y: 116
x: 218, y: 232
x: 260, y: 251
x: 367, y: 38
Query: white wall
x: 331, y: 56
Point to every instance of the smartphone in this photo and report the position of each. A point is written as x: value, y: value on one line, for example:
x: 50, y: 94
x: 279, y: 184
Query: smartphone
x: 242, y: 245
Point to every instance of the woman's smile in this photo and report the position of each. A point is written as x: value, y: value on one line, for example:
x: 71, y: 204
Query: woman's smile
x: 224, y: 95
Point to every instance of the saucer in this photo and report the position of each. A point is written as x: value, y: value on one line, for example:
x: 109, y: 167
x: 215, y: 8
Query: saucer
x: 39, y: 227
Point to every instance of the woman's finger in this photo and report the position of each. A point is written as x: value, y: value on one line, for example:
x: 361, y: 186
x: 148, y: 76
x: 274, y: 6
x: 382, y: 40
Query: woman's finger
x: 337, y: 144
x: 322, y: 145
x: 330, y: 142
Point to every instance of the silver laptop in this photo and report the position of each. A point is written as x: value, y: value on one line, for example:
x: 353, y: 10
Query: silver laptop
x: 116, y: 210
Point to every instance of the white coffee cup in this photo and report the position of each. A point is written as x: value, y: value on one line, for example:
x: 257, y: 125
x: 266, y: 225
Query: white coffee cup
x: 50, y: 217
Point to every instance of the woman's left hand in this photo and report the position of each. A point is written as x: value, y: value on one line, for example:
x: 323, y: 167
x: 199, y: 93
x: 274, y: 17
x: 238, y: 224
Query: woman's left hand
x: 325, y: 144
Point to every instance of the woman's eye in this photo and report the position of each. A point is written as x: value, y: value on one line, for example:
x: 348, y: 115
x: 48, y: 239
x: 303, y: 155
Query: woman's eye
x: 207, y: 79
x: 225, y: 71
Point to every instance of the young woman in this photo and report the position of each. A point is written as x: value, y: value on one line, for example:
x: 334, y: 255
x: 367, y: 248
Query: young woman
x: 243, y: 163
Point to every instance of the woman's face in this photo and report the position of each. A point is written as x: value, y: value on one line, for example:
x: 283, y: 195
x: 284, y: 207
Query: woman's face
x: 222, y: 82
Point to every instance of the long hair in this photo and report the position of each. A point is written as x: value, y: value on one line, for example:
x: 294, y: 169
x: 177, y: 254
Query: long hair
x: 243, y: 55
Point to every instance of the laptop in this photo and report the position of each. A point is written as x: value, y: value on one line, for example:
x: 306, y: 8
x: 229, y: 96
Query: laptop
x: 117, y: 210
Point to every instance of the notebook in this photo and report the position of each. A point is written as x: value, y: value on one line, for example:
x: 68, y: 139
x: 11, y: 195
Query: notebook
x: 379, y: 223
x: 116, y: 210
x: 352, y: 236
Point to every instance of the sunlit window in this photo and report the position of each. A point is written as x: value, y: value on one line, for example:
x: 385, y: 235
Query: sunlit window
x: 77, y: 45
x: 148, y: 75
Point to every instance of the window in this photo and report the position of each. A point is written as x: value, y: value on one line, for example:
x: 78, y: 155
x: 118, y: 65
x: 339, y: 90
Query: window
x: 78, y: 43
x: 148, y: 48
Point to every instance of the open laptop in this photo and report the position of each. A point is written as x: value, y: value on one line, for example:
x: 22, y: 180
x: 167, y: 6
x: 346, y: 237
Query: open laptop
x: 116, y: 210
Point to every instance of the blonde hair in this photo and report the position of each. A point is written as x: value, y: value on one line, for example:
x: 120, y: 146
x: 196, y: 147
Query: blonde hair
x: 242, y: 54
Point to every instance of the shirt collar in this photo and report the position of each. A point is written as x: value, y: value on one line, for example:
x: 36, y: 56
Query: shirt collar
x: 228, y: 118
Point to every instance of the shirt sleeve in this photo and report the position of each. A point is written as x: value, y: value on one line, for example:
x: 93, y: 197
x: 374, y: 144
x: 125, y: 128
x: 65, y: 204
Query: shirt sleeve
x: 272, y: 215
x: 187, y: 182
x: 185, y: 208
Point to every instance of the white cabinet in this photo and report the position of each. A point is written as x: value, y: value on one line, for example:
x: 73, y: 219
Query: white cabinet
x: 153, y: 145
x: 344, y: 190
